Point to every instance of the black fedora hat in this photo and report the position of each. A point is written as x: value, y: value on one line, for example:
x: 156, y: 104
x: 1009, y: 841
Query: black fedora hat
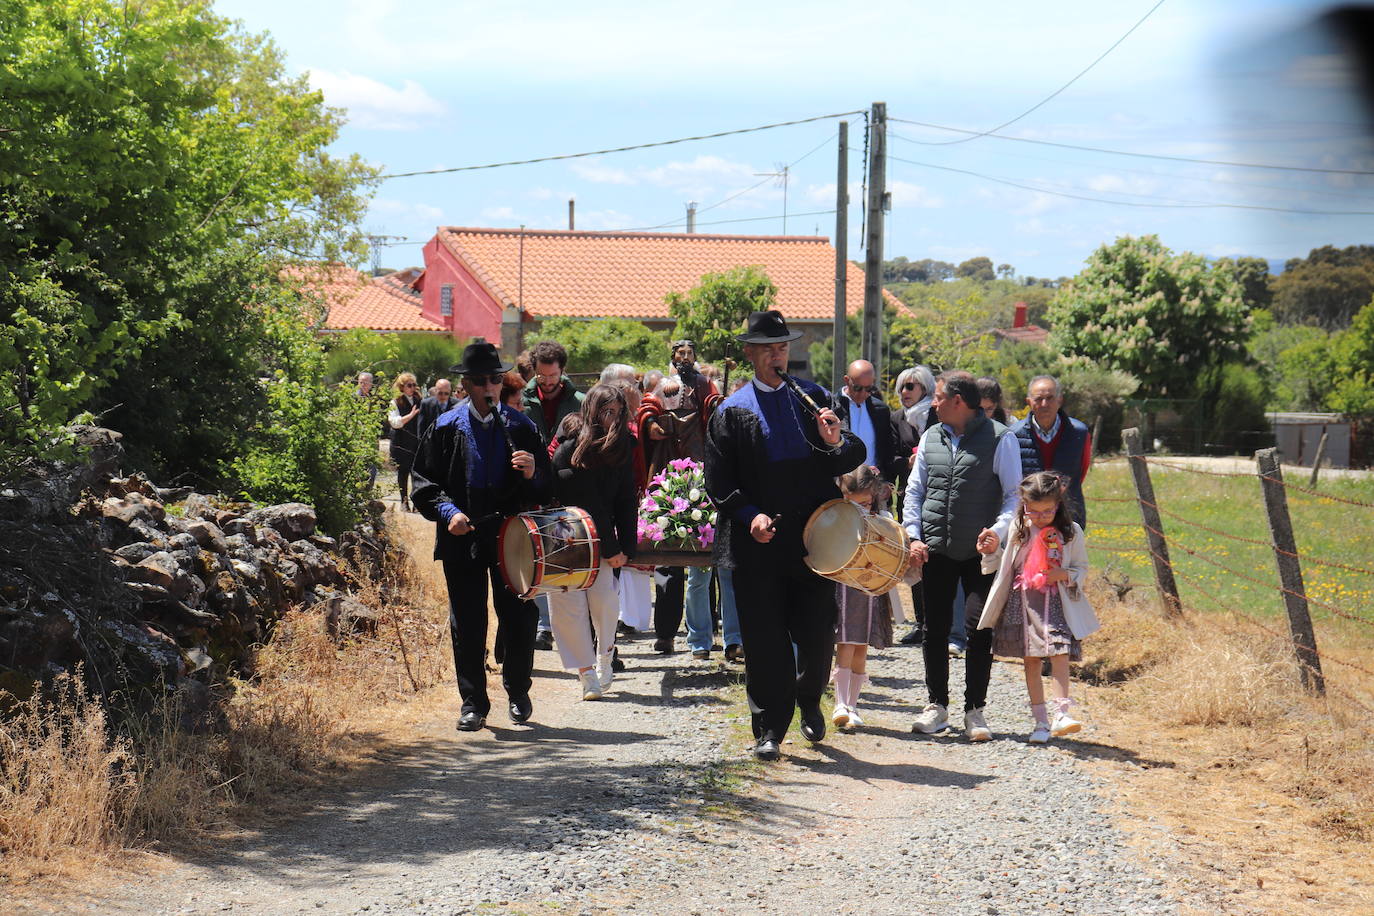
x: 767, y: 328
x: 480, y: 359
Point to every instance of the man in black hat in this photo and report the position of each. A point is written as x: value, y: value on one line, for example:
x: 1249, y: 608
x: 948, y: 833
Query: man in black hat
x: 771, y: 460
x: 482, y: 463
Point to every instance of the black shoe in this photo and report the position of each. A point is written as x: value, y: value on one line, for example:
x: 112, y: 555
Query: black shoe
x: 624, y: 629
x: 812, y: 723
x: 520, y: 710
x: 543, y: 640
x: 471, y: 722
x: 767, y: 749
x: 734, y: 652
x: 911, y: 639
x: 701, y: 654
x: 617, y: 665
x: 663, y: 646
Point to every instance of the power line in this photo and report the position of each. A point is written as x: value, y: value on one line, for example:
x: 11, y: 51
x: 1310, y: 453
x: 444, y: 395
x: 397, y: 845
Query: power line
x: 620, y: 149
x: 1118, y: 152
x: 721, y: 222
x: 1166, y: 203
x: 1056, y: 92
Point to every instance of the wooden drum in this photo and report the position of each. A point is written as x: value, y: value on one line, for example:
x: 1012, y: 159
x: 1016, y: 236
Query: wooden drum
x: 848, y: 545
x: 549, y: 550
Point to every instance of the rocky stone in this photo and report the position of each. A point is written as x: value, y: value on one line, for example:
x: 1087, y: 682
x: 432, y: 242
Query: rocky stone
x: 208, y: 535
x: 137, y: 551
x: 184, y: 541
x: 133, y: 507
x: 160, y: 569
x: 197, y: 505
x: 225, y: 516
x: 345, y: 615
x: 317, y: 567
x: 292, y: 520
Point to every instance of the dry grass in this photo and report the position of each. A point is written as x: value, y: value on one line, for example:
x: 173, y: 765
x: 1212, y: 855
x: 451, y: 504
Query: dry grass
x: 77, y: 787
x: 1267, y: 792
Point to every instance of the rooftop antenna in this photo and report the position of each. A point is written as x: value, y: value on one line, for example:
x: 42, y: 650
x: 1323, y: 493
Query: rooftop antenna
x: 782, y: 174
x: 376, y: 243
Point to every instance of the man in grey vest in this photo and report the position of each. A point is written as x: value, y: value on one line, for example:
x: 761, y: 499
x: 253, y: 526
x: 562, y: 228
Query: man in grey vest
x: 959, y: 504
x: 1051, y: 440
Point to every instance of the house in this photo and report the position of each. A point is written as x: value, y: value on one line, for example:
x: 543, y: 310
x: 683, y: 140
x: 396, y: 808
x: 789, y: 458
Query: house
x: 355, y: 300
x: 500, y: 284
x: 1020, y: 331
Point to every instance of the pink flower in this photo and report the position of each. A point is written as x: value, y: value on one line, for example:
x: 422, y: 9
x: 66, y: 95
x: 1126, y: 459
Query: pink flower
x: 653, y: 532
x: 706, y: 534
x: 658, y: 479
x: 680, y: 504
x: 648, y: 505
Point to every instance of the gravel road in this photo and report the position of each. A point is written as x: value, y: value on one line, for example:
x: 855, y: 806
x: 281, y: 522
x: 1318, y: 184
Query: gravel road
x: 647, y: 802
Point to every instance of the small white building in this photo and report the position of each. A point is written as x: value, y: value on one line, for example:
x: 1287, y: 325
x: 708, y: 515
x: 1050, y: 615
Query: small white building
x: 1297, y: 435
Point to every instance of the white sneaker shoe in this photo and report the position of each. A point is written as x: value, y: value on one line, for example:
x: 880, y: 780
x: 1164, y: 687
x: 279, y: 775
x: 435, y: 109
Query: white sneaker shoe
x: 1040, y: 734
x: 840, y: 717
x: 1065, y: 724
x: 591, y: 685
x: 975, y: 726
x: 854, y: 720
x: 932, y: 720
x: 955, y: 651
x: 605, y: 673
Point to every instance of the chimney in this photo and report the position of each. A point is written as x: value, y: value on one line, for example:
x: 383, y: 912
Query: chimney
x: 1020, y: 320
x: 691, y: 217
x: 572, y: 222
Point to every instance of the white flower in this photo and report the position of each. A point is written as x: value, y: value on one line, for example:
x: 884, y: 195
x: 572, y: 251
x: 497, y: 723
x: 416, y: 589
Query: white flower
x: 681, y: 531
x: 693, y: 494
x: 696, y: 515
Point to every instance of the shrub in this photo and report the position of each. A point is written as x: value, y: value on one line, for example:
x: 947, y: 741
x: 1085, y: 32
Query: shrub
x: 429, y: 356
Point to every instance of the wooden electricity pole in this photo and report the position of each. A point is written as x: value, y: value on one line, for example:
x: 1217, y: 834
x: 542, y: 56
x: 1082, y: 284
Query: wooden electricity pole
x: 841, y: 359
x: 873, y: 261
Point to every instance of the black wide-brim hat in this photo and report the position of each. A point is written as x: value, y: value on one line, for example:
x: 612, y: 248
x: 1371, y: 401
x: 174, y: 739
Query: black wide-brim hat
x: 480, y: 359
x: 767, y: 328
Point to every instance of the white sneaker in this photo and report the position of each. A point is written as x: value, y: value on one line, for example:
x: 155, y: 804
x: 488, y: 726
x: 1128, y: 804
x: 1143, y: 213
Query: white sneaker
x: 854, y: 720
x: 955, y: 651
x: 591, y: 685
x: 1040, y: 734
x: 605, y: 673
x: 840, y: 717
x: 932, y: 720
x: 975, y: 726
x: 1065, y: 724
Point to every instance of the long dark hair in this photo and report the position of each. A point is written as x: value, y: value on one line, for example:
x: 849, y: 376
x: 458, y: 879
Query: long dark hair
x: 1044, y: 485
x: 600, y: 444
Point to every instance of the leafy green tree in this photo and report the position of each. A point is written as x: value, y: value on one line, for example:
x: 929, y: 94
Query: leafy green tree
x: 1326, y: 288
x: 591, y: 345
x: 943, y: 334
x: 1160, y: 316
x: 1253, y: 276
x: 979, y: 268
x: 1353, y: 389
x: 714, y: 311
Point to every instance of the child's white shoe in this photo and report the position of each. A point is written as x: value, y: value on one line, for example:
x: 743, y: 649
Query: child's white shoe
x: 1040, y: 734
x: 841, y: 716
x: 1065, y: 724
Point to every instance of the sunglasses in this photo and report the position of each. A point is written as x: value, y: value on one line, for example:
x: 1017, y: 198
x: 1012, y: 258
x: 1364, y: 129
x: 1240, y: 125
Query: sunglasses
x: 909, y: 386
x: 496, y: 378
x: 408, y: 385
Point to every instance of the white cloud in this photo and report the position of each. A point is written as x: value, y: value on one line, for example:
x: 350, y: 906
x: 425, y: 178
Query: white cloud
x: 376, y: 106
x: 906, y: 194
x: 498, y: 213
x: 701, y: 174
x: 592, y: 170
x: 388, y: 207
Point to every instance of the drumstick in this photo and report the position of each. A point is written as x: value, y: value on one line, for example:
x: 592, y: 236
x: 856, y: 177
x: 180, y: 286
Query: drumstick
x: 773, y: 525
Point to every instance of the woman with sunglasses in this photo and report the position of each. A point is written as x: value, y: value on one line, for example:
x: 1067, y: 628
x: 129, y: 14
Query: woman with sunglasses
x: 402, y: 418
x: 594, y: 470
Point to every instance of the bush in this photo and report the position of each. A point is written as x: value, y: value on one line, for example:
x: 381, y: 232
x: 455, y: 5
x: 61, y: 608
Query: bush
x: 591, y: 345
x: 1233, y: 399
x: 429, y: 356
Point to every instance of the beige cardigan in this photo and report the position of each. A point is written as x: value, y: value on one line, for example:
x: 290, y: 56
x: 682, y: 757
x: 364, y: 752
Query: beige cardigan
x: 1078, y: 613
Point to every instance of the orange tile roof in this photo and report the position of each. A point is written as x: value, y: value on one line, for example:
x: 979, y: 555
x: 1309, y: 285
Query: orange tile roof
x: 356, y: 300
x: 1029, y: 333
x: 627, y: 274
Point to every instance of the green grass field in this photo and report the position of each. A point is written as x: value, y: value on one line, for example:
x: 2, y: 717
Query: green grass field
x: 1326, y: 530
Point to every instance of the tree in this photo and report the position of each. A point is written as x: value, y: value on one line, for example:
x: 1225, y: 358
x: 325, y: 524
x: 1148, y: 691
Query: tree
x: 942, y: 333
x: 1005, y: 272
x: 1161, y: 317
x: 1253, y: 276
x: 591, y: 345
x: 1326, y: 288
x: 714, y: 311
x: 979, y: 268
x: 1353, y: 392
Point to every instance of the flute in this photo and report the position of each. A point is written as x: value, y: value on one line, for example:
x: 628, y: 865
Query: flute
x: 501, y: 422
x: 800, y: 392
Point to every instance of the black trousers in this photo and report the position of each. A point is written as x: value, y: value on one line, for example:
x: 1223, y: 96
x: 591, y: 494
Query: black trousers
x: 467, y: 577
x: 668, y: 601
x: 779, y: 608
x: 940, y: 581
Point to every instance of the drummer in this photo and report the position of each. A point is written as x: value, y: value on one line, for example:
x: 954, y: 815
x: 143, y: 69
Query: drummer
x: 477, y: 467
x: 770, y: 463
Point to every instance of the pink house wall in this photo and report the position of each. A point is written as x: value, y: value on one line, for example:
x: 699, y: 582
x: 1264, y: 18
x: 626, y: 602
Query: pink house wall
x: 475, y: 312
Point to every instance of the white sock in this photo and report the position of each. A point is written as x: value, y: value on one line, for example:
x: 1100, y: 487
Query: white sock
x: 856, y: 685
x: 843, y: 682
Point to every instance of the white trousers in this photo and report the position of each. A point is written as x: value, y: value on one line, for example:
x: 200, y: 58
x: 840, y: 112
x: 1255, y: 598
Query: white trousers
x: 636, y: 598
x: 575, y: 615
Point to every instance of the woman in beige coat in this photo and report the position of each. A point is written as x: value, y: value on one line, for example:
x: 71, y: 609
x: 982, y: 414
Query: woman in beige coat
x: 1036, y: 607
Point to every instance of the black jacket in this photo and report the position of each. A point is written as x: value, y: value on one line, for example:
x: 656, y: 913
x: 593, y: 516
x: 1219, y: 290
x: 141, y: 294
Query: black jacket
x: 739, y: 475
x: 430, y: 410
x: 607, y: 494
x: 884, y: 443
x: 405, y: 438
x: 441, y: 475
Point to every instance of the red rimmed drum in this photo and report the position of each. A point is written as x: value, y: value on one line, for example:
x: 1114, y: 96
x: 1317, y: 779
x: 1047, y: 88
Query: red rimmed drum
x: 549, y: 550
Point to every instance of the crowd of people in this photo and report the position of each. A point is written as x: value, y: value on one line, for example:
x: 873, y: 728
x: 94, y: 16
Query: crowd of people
x: 993, y: 512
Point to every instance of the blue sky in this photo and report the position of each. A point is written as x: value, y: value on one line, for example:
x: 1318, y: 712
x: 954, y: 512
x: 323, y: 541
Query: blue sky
x: 434, y: 85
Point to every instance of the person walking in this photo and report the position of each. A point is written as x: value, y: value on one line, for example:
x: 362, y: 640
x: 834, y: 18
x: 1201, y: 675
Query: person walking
x: 1051, y: 440
x: 403, y: 419
x: 772, y: 457
x: 959, y: 504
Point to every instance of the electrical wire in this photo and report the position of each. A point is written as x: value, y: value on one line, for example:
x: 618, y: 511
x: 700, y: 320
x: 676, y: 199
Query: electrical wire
x: 1118, y: 152
x: 1052, y: 95
x: 619, y: 149
x: 1164, y: 203
x: 721, y: 222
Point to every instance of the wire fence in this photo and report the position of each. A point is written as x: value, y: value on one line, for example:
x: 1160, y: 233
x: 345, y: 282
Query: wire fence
x: 1248, y: 577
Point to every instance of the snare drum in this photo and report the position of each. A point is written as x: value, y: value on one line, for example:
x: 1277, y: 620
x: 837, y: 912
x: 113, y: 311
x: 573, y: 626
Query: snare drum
x: 848, y: 545
x: 549, y: 550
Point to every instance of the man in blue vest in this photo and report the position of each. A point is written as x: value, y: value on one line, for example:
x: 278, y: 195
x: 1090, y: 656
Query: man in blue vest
x: 960, y: 498
x: 1051, y: 440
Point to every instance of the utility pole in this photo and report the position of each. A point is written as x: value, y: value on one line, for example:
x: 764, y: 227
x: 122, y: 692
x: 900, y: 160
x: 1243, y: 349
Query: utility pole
x: 841, y: 360
x: 873, y: 262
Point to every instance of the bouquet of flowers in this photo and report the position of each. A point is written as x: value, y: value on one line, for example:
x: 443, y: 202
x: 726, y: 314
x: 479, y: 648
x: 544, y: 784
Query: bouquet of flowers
x: 676, y: 513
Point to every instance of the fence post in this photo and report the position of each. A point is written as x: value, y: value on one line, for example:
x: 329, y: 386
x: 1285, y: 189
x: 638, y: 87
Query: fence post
x: 1317, y: 461
x: 1290, y: 570
x: 1154, y: 528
